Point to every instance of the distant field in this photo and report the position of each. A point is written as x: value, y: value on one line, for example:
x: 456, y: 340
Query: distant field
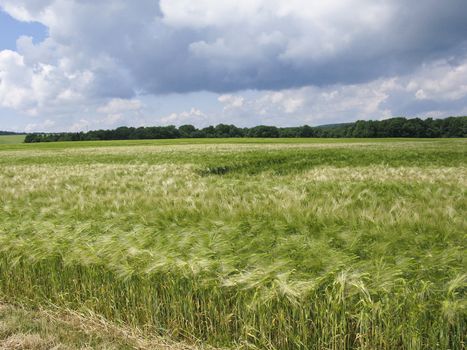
x: 203, y: 141
x: 11, y: 139
x: 244, y: 243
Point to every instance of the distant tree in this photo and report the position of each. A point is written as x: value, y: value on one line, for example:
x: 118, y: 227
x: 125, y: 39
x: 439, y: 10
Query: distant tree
x: 306, y: 131
x: 393, y: 127
x: 364, y: 128
x: 454, y: 127
x: 224, y: 130
x: 413, y: 128
x: 431, y: 129
x: 31, y: 138
x: 121, y: 133
x: 289, y: 132
x: 209, y: 131
x: 263, y: 131
x: 187, y: 131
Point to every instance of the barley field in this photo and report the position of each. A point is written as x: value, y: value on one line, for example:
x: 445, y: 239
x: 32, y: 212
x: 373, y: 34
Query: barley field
x: 11, y: 139
x: 244, y: 244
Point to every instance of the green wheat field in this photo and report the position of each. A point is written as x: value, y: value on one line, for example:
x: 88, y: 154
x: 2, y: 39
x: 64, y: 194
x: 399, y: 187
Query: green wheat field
x: 244, y: 243
x: 11, y: 139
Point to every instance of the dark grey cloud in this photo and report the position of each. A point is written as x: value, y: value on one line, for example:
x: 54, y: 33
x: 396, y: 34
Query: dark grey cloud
x: 174, y: 46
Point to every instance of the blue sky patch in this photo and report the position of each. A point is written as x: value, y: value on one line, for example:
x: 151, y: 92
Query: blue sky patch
x: 11, y: 30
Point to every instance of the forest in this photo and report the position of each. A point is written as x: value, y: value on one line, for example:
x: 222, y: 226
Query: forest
x: 393, y: 127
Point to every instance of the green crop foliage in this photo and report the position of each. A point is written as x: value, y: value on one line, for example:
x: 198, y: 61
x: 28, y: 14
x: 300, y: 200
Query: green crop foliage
x: 11, y: 139
x: 271, y: 244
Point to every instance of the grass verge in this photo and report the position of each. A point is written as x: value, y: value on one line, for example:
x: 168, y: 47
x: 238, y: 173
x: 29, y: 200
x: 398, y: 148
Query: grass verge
x: 55, y: 328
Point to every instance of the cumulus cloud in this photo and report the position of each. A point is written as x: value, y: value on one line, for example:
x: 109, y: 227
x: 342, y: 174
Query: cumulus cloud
x: 46, y: 125
x: 440, y: 82
x: 231, y: 101
x: 118, y: 105
x: 442, y: 85
x: 29, y: 87
x: 120, y: 111
x: 193, y: 116
x: 285, y: 101
x: 105, y: 55
x: 181, y: 45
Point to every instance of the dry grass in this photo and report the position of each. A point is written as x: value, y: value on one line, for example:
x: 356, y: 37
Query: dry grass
x: 58, y: 329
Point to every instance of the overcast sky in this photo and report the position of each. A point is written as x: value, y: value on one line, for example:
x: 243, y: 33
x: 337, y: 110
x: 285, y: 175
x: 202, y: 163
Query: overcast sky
x: 69, y: 65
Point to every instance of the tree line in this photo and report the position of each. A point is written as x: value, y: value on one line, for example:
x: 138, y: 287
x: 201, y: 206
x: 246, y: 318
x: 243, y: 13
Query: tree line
x: 394, y: 127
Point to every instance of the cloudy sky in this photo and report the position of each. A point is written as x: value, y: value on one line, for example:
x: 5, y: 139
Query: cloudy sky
x: 69, y: 65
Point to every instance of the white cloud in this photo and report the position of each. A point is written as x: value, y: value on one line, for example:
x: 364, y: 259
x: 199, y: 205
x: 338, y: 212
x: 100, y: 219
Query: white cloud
x: 293, y: 104
x: 118, y: 105
x: 206, y: 13
x: 119, y: 112
x: 440, y: 81
x: 231, y: 101
x: 287, y: 101
x: 193, y: 116
x: 15, y: 81
x: 113, y: 119
x: 30, y: 87
x: 37, y: 127
x: 80, y: 125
